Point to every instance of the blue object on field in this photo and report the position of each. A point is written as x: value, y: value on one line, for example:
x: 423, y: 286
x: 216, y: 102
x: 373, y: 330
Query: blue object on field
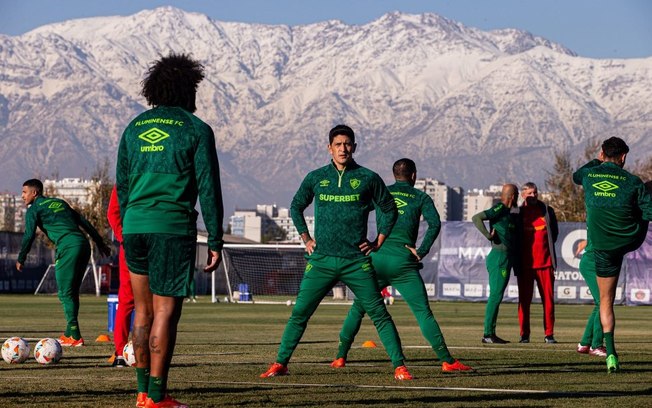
x: 245, y: 296
x: 112, y: 303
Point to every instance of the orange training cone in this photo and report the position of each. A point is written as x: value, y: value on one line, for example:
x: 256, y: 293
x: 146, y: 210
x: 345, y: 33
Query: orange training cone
x: 103, y: 338
x: 369, y: 344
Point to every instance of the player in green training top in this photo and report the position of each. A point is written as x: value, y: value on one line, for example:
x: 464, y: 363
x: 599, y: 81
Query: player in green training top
x: 503, y: 224
x: 61, y: 225
x: 166, y: 159
x: 344, y: 193
x: 618, y: 208
x: 397, y: 264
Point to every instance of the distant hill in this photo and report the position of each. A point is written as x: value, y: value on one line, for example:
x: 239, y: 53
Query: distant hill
x: 471, y: 107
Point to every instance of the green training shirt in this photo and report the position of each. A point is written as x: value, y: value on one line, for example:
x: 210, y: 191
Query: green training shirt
x: 617, y: 203
x: 167, y: 159
x: 411, y: 204
x: 343, y: 200
x: 504, y: 222
x: 58, y: 221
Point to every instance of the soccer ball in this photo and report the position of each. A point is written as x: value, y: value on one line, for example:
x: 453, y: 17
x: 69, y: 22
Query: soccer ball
x: 128, y: 354
x: 15, y: 350
x: 48, y: 351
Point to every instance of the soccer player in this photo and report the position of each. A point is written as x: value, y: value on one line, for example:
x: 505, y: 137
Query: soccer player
x: 618, y: 207
x: 503, y: 222
x: 166, y: 159
x: 397, y: 263
x: 538, y: 261
x: 125, y: 293
x: 344, y: 194
x: 60, y: 223
x: 592, y: 341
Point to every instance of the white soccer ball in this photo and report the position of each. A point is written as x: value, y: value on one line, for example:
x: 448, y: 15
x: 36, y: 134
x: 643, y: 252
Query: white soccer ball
x: 288, y: 303
x: 48, y: 351
x: 128, y: 354
x: 15, y: 350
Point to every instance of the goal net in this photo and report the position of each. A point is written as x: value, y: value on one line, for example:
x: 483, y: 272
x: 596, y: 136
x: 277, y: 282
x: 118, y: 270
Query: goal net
x: 48, y: 283
x: 268, y: 274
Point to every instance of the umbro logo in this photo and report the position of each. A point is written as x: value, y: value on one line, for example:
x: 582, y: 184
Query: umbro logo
x: 400, y: 203
x: 606, y: 189
x: 605, y: 186
x: 154, y: 135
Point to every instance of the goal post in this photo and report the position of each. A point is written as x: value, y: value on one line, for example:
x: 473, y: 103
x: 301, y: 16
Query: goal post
x: 48, y: 284
x: 268, y: 274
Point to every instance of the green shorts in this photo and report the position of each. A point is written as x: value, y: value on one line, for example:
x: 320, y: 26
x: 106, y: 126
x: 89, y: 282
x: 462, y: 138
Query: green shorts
x: 168, y: 259
x: 608, y: 262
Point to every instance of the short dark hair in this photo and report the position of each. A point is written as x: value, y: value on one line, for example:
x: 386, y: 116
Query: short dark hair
x: 341, y: 130
x: 614, y: 147
x: 404, y: 168
x: 35, y: 184
x: 172, y: 81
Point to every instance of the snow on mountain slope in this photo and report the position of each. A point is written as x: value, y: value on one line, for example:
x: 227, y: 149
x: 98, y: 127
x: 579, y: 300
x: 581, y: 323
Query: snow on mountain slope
x: 472, y: 107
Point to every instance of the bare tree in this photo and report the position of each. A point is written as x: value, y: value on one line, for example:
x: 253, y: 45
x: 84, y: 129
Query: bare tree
x: 566, y: 197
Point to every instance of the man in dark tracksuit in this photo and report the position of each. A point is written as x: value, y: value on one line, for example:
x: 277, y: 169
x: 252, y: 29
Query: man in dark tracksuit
x: 344, y: 194
x: 61, y: 225
x: 166, y: 160
x: 618, y: 208
x: 503, y: 222
x: 397, y: 264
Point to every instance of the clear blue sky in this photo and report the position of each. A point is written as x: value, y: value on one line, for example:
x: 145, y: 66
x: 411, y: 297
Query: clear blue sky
x: 592, y: 28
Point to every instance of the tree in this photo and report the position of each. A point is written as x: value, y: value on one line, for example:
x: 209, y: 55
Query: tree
x: 643, y: 169
x: 99, y: 195
x: 566, y: 197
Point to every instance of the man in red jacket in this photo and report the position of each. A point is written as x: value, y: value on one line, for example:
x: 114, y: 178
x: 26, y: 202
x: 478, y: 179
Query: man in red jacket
x: 538, y: 261
x: 125, y: 293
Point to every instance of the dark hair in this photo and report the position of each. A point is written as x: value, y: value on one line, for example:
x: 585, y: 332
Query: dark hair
x: 404, y: 169
x: 614, y: 147
x: 341, y: 130
x: 35, y: 184
x: 172, y: 81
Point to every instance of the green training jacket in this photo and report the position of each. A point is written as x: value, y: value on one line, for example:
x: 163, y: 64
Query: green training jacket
x: 166, y: 159
x: 343, y: 201
x: 58, y: 221
x: 504, y: 222
x: 617, y: 205
x: 411, y: 204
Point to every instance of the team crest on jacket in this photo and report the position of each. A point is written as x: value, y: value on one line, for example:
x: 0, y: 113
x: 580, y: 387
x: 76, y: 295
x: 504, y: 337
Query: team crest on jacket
x: 355, y: 183
x: 324, y: 183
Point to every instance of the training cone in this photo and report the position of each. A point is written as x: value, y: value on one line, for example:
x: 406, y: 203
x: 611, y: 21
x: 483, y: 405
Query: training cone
x: 369, y: 344
x: 103, y: 338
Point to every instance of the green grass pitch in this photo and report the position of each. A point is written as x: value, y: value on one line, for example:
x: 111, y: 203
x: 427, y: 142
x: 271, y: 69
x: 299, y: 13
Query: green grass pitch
x: 222, y: 349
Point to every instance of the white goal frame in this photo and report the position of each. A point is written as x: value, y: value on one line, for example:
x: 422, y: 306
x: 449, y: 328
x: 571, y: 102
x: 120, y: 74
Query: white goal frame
x: 343, y: 296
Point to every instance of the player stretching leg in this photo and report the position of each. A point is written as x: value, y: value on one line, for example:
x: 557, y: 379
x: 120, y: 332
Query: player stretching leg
x: 61, y: 225
x: 618, y: 208
x: 344, y: 193
x: 397, y: 263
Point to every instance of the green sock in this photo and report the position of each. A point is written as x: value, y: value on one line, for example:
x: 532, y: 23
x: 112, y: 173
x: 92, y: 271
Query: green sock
x: 610, y: 344
x: 73, y: 331
x: 142, y: 377
x: 343, y: 350
x: 156, y: 389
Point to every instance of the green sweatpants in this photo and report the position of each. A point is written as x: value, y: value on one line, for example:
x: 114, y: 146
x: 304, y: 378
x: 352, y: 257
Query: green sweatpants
x: 593, y: 335
x: 498, y: 265
x: 70, y: 265
x: 402, y: 273
x: 321, y: 274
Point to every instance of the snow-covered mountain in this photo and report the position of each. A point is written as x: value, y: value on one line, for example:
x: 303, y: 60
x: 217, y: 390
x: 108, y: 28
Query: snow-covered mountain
x: 471, y: 107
